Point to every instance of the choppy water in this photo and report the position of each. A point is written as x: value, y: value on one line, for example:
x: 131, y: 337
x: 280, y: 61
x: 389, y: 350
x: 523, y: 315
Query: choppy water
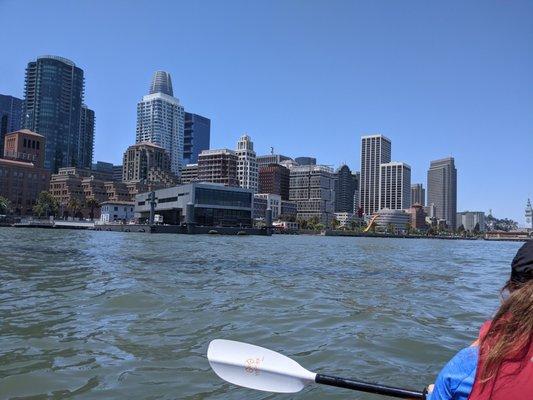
x: 105, y: 315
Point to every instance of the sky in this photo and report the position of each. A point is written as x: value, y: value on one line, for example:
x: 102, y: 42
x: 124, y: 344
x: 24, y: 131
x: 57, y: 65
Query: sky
x: 309, y: 78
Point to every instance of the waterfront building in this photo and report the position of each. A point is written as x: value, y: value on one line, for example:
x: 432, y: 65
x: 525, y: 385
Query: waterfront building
x: 418, y: 217
x: 397, y: 220
x: 418, y: 194
x: 10, y: 117
x: 312, y: 188
x: 247, y: 169
x: 529, y: 215
x: 22, y: 172
x: 442, y: 189
x: 346, y: 219
x: 117, y: 211
x: 197, y: 136
x: 86, y: 141
x: 470, y: 220
x: 214, y: 205
x: 274, y: 178
x: 218, y: 166
x: 395, y: 186
x: 53, y: 107
x: 375, y: 150
x: 161, y: 120
x: 263, y: 161
x: 263, y: 201
x: 189, y: 173
x: 305, y: 160
x: 345, y: 187
x: 147, y: 163
x: 76, y: 186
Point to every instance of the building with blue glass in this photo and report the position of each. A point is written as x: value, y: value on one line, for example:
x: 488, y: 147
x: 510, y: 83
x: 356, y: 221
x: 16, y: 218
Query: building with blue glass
x: 197, y: 137
x: 53, y: 107
x: 10, y: 117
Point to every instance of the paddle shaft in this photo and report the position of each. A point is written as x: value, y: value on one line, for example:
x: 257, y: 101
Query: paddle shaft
x: 369, y: 387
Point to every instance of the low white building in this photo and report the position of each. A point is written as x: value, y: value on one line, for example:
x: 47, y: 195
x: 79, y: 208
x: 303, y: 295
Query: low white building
x: 398, y: 219
x: 470, y: 219
x: 116, y: 211
x: 346, y: 218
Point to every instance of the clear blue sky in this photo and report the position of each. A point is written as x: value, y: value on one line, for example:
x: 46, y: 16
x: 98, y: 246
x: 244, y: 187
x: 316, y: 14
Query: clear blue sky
x: 309, y: 77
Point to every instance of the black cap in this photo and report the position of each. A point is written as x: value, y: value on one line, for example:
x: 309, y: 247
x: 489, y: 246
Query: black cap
x: 522, y: 265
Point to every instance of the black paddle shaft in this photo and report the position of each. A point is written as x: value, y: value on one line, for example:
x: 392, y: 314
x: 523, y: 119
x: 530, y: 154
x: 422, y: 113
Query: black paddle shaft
x: 369, y: 387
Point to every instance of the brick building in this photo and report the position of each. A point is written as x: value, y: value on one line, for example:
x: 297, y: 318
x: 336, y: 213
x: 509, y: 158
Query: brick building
x: 274, y: 178
x: 22, y: 173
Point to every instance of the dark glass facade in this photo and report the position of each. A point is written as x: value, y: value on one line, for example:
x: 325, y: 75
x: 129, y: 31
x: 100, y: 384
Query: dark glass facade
x: 86, y: 147
x: 228, y: 198
x: 222, y: 217
x: 10, y: 117
x: 345, y: 187
x: 197, y: 137
x: 53, y: 99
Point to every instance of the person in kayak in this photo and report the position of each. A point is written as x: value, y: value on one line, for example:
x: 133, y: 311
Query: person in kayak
x: 499, y: 365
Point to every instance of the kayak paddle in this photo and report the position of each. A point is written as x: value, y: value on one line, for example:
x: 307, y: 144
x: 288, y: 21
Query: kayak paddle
x: 258, y: 368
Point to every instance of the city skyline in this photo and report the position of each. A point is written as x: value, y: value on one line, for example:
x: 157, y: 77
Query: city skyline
x: 467, y: 129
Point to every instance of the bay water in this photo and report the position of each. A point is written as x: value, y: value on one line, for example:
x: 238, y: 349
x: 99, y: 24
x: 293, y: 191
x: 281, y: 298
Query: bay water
x: 109, y: 315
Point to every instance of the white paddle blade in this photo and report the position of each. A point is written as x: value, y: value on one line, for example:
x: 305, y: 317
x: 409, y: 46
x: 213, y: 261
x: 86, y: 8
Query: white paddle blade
x: 257, y: 368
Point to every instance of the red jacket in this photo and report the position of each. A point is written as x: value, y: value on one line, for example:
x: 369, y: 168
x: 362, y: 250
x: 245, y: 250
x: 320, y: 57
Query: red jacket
x: 514, y: 380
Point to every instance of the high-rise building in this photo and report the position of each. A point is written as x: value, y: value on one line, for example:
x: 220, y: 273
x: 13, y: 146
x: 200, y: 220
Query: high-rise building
x: 53, y: 98
x: 471, y: 221
x: 161, y: 120
x: 247, y: 170
x: 86, y: 147
x: 22, y: 176
x: 442, y: 189
x: 147, y: 163
x: 418, y: 194
x: 375, y: 150
x: 189, y: 174
x: 263, y: 161
x: 357, y: 180
x: 305, y: 160
x: 345, y: 186
x: 218, y: 166
x: 395, y: 186
x: 10, y: 117
x: 274, y: 178
x: 197, y: 137
x: 312, y: 188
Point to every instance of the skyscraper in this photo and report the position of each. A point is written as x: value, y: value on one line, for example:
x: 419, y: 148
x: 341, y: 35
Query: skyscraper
x: 10, y: 117
x: 442, y: 189
x: 395, y: 186
x: 274, y: 178
x: 375, y: 150
x: 345, y: 186
x: 197, y: 137
x: 418, y: 194
x: 161, y: 120
x: 53, y: 98
x: 247, y: 169
x: 218, y: 166
x: 86, y: 147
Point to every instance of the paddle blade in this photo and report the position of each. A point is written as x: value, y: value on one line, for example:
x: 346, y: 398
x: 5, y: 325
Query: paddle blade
x: 256, y: 368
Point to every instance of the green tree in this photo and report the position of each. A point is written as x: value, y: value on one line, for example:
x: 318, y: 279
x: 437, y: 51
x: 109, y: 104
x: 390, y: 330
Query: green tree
x: 390, y: 229
x: 476, y: 229
x: 5, y: 205
x: 335, y: 223
x: 313, y: 222
x: 74, y: 206
x: 461, y: 230
x: 92, y: 204
x: 46, y: 205
x: 302, y: 223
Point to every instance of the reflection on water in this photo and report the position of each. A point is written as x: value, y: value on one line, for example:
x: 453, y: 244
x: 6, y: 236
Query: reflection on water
x: 102, y: 315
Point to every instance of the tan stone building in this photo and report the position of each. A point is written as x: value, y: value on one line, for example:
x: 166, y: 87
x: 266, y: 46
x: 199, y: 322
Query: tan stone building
x: 22, y: 173
x: 147, y: 163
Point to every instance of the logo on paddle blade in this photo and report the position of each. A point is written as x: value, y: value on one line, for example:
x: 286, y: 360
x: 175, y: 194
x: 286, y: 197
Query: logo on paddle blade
x: 253, y: 365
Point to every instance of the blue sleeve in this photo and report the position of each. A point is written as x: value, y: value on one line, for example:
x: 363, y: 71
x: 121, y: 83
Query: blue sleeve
x: 456, y: 379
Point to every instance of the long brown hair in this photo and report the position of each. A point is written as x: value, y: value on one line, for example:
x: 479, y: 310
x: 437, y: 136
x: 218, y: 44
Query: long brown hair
x: 511, y: 331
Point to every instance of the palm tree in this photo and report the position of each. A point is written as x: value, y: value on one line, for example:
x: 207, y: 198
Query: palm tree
x: 5, y: 205
x: 74, y: 206
x: 92, y: 203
